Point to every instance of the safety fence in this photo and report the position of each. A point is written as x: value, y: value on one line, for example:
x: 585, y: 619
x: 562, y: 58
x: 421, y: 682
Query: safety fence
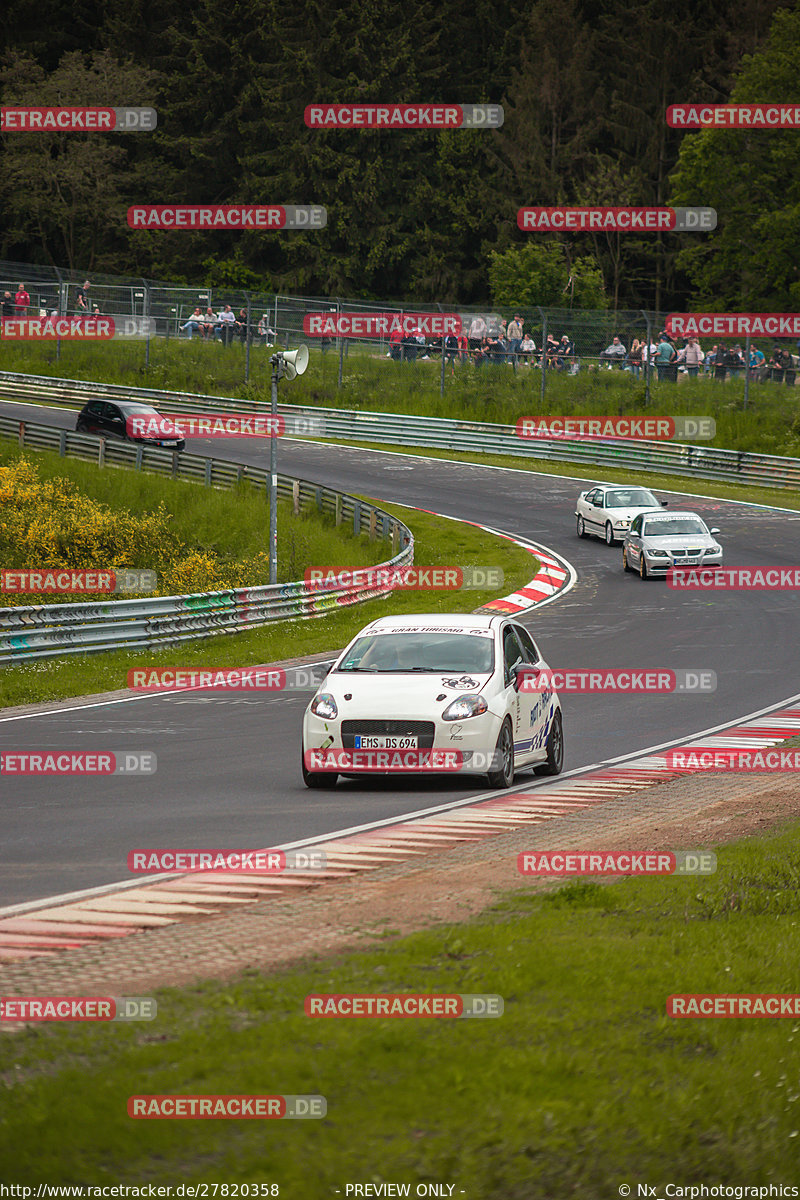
x: 401, y: 429
x: 44, y: 631
x: 551, y: 341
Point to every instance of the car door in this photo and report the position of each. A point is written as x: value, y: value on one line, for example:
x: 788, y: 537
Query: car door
x: 92, y: 417
x: 634, y: 541
x: 533, y: 706
x: 512, y: 658
x: 585, y: 507
x: 113, y: 420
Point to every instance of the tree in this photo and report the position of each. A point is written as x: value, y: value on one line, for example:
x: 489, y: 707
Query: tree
x: 540, y: 273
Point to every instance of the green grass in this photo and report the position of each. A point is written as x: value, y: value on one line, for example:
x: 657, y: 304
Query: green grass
x: 584, y: 1084
x: 770, y: 424
x: 437, y: 542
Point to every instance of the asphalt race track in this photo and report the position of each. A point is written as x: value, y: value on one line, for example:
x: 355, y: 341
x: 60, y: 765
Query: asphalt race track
x: 229, y: 766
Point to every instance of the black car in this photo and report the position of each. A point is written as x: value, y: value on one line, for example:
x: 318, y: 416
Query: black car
x: 109, y: 418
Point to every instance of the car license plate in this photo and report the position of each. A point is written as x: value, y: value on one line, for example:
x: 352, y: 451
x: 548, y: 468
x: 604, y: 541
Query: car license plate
x: 386, y: 742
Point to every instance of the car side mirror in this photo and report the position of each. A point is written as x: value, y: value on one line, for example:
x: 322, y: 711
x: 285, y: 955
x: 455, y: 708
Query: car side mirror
x: 521, y: 671
x: 713, y: 531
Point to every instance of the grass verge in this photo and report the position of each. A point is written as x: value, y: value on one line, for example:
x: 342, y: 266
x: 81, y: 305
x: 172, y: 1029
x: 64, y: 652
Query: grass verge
x: 769, y: 425
x: 438, y: 542
x: 583, y: 1085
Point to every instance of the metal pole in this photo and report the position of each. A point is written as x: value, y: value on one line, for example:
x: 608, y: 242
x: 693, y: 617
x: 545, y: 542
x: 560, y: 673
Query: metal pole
x: 277, y: 362
x: 747, y: 370
x: 275, y: 324
x: 544, y: 350
x: 647, y: 368
x: 247, y: 343
x: 441, y: 377
x: 341, y: 360
x: 146, y: 307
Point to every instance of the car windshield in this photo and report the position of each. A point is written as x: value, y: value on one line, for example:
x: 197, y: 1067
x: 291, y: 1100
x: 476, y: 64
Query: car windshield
x: 671, y: 526
x: 631, y: 498
x: 431, y: 652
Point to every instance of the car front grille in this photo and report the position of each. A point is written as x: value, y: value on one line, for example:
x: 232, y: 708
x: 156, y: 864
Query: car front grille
x: 685, y: 553
x: 424, y: 730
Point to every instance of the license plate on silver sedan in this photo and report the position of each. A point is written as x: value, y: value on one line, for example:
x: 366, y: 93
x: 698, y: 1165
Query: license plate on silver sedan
x: 386, y: 741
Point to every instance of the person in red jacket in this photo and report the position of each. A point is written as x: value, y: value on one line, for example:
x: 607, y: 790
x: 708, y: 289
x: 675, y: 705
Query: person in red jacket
x: 21, y: 301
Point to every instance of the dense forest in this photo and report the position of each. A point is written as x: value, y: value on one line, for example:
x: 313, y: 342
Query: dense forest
x: 422, y: 216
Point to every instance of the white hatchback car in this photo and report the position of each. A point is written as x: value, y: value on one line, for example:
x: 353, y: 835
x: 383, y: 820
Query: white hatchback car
x: 426, y: 691
x: 607, y: 509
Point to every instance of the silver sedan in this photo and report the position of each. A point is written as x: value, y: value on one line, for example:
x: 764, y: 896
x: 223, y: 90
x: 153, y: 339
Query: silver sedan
x: 659, y: 542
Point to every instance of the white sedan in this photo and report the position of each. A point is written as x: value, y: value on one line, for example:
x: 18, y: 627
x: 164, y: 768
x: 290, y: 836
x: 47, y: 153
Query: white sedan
x: 434, y: 692
x: 607, y: 509
x: 660, y: 542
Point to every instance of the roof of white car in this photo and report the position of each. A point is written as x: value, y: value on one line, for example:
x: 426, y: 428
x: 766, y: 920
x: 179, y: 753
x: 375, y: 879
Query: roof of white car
x: 431, y: 622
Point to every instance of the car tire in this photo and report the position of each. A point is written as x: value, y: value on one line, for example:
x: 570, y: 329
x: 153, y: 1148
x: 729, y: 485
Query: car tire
x: 581, y: 528
x: 503, y: 775
x: 317, y: 779
x: 554, y: 747
x: 609, y: 534
x: 643, y: 572
x: 626, y: 566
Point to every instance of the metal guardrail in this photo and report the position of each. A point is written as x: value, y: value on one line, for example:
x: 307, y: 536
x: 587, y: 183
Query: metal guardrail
x: 403, y: 429
x: 44, y: 631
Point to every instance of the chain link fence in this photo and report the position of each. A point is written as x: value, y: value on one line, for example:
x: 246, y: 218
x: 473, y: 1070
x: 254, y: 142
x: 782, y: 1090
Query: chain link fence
x: 237, y: 327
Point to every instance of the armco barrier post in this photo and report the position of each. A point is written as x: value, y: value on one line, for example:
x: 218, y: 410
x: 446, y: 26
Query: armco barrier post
x: 146, y: 314
x: 247, y: 342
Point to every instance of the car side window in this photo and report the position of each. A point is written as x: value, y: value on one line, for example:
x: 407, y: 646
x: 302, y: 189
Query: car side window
x: 589, y: 497
x: 94, y: 408
x: 512, y: 651
x: 113, y: 413
x: 636, y: 525
x: 599, y: 499
x: 530, y: 653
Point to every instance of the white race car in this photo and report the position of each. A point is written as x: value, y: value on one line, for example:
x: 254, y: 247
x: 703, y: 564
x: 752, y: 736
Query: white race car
x: 607, y: 509
x: 433, y: 692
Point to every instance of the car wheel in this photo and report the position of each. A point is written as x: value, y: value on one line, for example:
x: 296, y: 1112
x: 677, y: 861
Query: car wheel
x: 626, y: 566
x: 642, y: 567
x: 609, y: 534
x: 503, y: 758
x: 581, y: 528
x: 554, y: 748
x: 81, y: 427
x: 318, y: 779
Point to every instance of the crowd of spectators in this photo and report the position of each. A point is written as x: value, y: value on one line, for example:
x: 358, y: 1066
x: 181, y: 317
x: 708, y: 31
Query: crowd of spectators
x: 226, y: 326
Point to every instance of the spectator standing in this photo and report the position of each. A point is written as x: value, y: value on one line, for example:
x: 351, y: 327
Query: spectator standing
x: 21, y: 301
x: 8, y: 305
x: 82, y: 297
x: 634, y: 360
x: 451, y: 351
x: 666, y: 358
x: 649, y: 351
x: 514, y: 335
x: 477, y: 332
x: 721, y: 362
x: 463, y: 347
x: 692, y: 356
x: 396, y: 344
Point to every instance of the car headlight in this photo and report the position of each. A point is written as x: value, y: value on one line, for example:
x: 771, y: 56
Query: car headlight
x: 714, y: 548
x: 622, y: 524
x: 324, y: 706
x: 463, y: 707
x: 657, y: 553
